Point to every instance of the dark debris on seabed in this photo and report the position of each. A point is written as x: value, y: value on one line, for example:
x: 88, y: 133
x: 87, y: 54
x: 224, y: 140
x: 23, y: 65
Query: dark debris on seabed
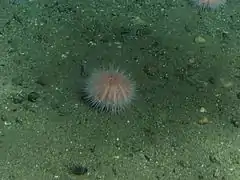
x: 77, y: 169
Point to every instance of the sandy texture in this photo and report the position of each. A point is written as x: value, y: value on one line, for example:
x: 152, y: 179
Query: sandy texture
x: 184, y: 123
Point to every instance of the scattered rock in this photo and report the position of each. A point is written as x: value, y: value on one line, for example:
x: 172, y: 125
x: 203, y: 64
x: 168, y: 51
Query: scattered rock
x: 199, y: 40
x: 204, y: 121
x: 203, y: 110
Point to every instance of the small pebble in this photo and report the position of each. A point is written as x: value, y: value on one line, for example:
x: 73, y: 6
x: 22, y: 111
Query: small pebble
x: 204, y: 121
x: 203, y: 110
x: 199, y: 40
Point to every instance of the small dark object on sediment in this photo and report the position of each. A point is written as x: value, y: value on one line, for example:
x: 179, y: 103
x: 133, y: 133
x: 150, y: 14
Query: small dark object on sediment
x: 77, y: 169
x: 33, y: 96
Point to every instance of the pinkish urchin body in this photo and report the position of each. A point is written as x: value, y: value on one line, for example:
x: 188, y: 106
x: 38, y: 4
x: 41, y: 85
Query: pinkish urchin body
x: 109, y: 90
